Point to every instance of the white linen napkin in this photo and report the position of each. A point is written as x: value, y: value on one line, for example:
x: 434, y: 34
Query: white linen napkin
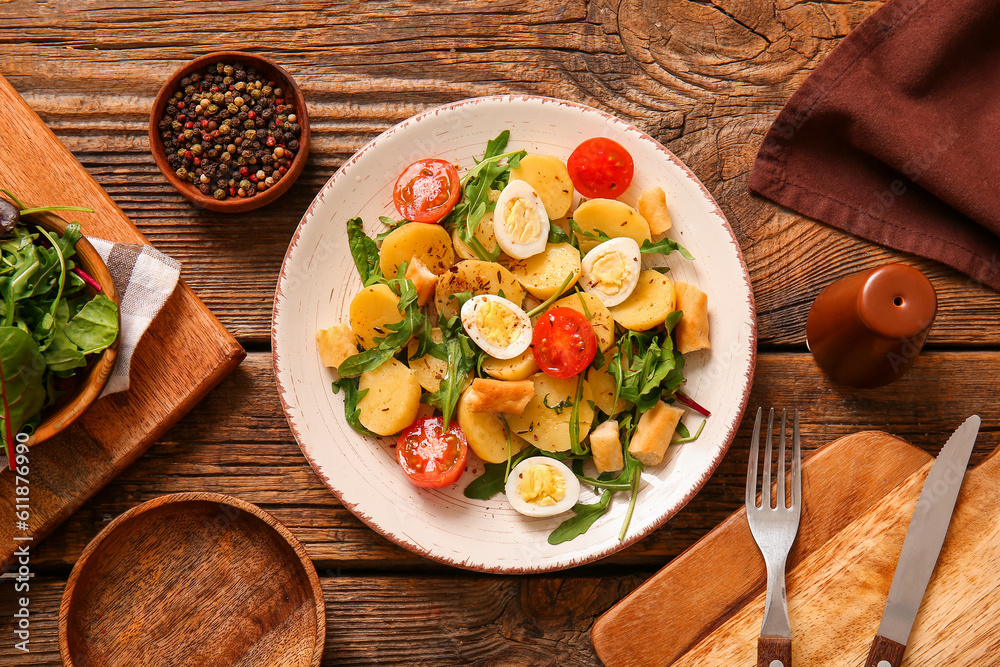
x: 144, y: 278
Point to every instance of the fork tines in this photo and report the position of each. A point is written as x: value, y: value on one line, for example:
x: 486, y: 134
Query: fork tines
x: 752, y: 469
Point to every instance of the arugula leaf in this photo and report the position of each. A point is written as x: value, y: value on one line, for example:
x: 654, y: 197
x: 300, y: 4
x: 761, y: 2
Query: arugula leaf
x: 399, y: 334
x: 364, y: 251
x: 557, y: 235
x: 664, y: 247
x: 22, y: 392
x: 494, y: 477
x: 558, y: 407
x: 351, y: 399
x: 461, y: 360
x: 596, y: 235
x: 634, y: 469
x: 585, y: 517
x: 392, y: 225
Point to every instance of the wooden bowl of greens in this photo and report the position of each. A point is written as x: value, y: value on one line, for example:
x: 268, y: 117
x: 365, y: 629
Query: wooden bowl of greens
x: 59, y: 327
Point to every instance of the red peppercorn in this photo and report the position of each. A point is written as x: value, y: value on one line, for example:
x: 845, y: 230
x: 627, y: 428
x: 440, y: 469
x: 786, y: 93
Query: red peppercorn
x: 279, y: 100
x: 214, y: 89
x: 251, y: 115
x: 204, y: 122
x: 188, y: 125
x: 232, y: 192
x: 181, y: 117
x: 180, y: 105
x: 181, y: 138
x: 270, y: 142
x: 244, y: 171
x: 197, y: 161
x: 252, y: 177
x: 282, y: 170
x: 214, y: 134
x: 206, y: 136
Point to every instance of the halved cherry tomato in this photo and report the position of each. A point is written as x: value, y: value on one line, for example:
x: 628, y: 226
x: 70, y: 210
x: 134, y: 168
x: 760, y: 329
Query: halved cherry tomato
x: 563, y: 342
x: 600, y: 167
x: 427, y: 190
x: 430, y: 456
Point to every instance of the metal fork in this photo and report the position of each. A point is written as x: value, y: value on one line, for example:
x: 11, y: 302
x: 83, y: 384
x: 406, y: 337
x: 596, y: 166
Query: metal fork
x: 774, y: 529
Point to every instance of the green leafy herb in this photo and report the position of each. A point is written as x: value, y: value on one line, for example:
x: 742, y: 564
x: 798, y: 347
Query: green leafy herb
x: 392, y: 225
x: 351, y: 399
x: 664, y: 247
x: 557, y: 235
x: 490, y: 173
x: 22, y: 389
x: 585, y: 517
x: 364, y: 251
x: 461, y: 360
x: 540, y: 308
x: 596, y: 235
x: 558, y: 407
x: 574, y: 420
x: 687, y: 437
x: 95, y: 327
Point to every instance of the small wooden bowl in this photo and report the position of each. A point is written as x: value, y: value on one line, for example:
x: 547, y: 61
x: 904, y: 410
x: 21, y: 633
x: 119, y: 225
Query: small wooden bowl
x: 193, y: 579
x: 95, y: 375
x: 234, y: 205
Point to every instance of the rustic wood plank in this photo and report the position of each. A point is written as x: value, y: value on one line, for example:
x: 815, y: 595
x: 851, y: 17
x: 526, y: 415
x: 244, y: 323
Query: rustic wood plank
x: 237, y: 441
x: 705, y: 78
x: 454, y: 620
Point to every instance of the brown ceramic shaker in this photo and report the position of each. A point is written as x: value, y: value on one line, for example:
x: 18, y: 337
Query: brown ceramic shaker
x: 865, y: 330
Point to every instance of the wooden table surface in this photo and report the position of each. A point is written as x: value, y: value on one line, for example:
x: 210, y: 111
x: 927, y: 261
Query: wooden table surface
x: 705, y: 77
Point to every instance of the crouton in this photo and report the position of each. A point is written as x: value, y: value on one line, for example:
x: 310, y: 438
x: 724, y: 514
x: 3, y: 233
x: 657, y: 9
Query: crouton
x: 653, y: 207
x: 653, y: 433
x: 423, y: 280
x: 510, y: 397
x: 336, y: 344
x: 691, y: 333
x: 606, y: 448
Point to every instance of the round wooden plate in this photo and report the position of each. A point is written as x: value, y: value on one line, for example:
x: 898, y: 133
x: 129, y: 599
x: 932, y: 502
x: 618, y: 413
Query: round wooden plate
x: 193, y: 579
x: 318, y: 280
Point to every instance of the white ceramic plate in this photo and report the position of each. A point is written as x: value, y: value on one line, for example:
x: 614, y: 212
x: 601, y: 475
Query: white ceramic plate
x: 318, y: 281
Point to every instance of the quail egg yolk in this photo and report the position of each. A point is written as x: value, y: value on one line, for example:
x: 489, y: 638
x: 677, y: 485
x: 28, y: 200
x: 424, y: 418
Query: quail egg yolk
x: 541, y: 485
x: 496, y: 323
x: 610, y: 272
x: 522, y: 222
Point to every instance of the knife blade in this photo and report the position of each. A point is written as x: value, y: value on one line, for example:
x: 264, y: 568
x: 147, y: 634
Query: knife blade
x: 924, y: 537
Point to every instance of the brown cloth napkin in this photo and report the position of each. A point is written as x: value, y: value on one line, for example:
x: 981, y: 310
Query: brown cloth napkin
x: 896, y: 135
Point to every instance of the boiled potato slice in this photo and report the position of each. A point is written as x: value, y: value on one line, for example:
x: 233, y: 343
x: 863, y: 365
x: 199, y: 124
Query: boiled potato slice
x: 649, y: 305
x: 484, y: 233
x: 520, y: 367
x: 550, y: 178
x: 600, y: 316
x: 428, y: 370
x: 603, y: 386
x: 612, y: 217
x: 430, y: 243
x: 372, y: 309
x: 545, y: 428
x: 543, y: 274
x: 478, y: 277
x: 486, y: 433
x: 393, y: 398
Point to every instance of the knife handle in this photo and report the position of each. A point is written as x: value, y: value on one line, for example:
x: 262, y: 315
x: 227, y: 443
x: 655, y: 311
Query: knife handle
x: 771, y: 650
x: 885, y: 653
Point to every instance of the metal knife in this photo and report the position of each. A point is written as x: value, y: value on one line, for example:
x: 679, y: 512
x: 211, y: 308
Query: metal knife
x: 924, y: 537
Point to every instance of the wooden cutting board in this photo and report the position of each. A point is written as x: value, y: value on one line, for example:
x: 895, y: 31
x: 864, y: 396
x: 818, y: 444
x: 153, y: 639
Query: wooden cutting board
x: 706, y: 607
x: 182, y: 355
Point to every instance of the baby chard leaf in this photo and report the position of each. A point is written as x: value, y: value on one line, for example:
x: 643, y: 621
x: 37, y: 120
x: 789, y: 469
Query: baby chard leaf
x: 364, y: 251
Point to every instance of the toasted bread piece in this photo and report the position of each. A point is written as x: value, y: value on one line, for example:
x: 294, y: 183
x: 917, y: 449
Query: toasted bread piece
x: 653, y: 433
x: 423, y: 280
x: 691, y: 333
x: 653, y: 207
x: 606, y: 447
x: 336, y: 344
x: 510, y: 397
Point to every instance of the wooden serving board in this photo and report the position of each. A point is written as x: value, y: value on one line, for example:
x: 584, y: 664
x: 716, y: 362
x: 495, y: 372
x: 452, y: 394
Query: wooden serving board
x: 859, y: 492
x: 182, y: 355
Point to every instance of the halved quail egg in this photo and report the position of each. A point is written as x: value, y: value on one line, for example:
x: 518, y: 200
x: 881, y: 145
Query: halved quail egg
x: 542, y: 486
x: 611, y: 270
x: 520, y: 221
x: 498, y: 326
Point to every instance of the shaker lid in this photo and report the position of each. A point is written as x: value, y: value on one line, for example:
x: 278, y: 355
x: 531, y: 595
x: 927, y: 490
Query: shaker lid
x: 897, y: 301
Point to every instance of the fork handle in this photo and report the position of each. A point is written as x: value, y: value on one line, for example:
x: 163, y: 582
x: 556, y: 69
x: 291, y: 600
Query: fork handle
x: 885, y: 652
x: 771, y: 650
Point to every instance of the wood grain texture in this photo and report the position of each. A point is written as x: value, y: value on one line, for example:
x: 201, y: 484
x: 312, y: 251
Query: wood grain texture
x: 884, y: 653
x: 774, y: 652
x: 705, y: 78
x: 182, y: 355
x: 193, y: 579
x: 855, y: 562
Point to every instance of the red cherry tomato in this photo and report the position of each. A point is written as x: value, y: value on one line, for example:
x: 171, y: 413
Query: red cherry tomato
x: 563, y: 342
x: 430, y: 456
x: 600, y: 167
x: 427, y: 190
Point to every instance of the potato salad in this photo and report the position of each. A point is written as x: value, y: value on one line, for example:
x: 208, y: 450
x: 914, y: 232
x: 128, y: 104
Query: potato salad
x: 497, y: 316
